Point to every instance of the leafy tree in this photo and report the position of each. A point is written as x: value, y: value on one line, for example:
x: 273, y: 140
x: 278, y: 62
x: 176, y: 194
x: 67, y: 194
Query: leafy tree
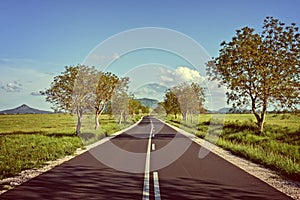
x: 190, y: 98
x: 145, y: 109
x: 134, y: 106
x: 107, y: 83
x: 120, y: 99
x: 260, y: 69
x: 171, y: 104
x: 71, y: 91
x: 160, y: 109
x: 185, y: 99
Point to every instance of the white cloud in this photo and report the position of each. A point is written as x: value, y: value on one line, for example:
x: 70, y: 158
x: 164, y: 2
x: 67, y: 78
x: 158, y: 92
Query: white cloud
x: 181, y: 74
x: 12, y: 87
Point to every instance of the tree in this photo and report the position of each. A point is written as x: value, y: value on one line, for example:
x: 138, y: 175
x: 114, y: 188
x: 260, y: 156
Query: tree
x: 106, y: 85
x: 260, y: 70
x: 134, y: 106
x: 190, y: 98
x: 160, y: 109
x: 120, y: 99
x: 145, y: 109
x: 71, y: 91
x: 171, y: 104
x: 185, y: 99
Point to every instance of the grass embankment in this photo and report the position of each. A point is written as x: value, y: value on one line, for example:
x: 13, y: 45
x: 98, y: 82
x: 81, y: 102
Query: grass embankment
x: 278, y: 148
x: 28, y: 141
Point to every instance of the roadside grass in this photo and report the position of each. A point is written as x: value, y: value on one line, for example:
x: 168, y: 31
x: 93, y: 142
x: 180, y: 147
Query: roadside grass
x: 29, y: 141
x: 37, y: 123
x: 26, y: 151
x: 278, y: 148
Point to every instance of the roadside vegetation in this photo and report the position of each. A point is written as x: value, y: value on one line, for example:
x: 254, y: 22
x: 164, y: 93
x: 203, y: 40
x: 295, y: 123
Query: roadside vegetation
x: 277, y: 148
x: 29, y: 141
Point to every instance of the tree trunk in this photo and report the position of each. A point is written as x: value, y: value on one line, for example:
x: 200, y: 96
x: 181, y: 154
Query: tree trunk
x: 120, y: 118
x: 124, y: 117
x: 79, y: 121
x: 97, y: 120
x: 184, y: 116
x: 260, y: 125
x: 260, y: 120
x: 99, y: 111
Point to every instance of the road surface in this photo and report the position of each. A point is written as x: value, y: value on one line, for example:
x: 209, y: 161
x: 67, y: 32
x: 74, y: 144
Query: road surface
x: 148, y: 161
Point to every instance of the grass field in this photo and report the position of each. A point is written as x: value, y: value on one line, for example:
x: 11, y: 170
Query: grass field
x: 28, y: 141
x: 277, y: 148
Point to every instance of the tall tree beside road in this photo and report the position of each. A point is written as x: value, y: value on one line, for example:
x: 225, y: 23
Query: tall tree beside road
x: 120, y: 99
x: 135, y: 107
x: 106, y: 85
x: 171, y: 104
x: 71, y: 91
x: 184, y: 98
x: 260, y: 69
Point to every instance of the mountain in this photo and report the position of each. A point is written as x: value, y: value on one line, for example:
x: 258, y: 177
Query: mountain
x: 24, y: 109
x: 150, y: 91
x: 232, y: 110
x: 151, y: 103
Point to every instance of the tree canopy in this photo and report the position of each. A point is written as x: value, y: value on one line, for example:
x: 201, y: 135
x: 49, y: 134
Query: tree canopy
x: 81, y: 89
x: 260, y: 69
x: 185, y: 99
x: 71, y: 91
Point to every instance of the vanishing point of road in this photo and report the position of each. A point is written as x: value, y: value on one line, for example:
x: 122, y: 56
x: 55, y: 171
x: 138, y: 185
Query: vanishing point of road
x: 145, y: 162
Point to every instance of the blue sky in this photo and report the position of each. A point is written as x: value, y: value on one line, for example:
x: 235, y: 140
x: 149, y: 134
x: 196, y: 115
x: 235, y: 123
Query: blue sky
x: 38, y: 38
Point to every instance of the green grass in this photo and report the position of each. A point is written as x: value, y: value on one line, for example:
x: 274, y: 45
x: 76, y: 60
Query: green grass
x: 35, y: 123
x: 28, y: 141
x: 277, y: 148
x: 26, y: 151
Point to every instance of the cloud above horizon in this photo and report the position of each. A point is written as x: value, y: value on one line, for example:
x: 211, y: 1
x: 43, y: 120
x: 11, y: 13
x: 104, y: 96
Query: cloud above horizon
x: 14, y: 86
x: 181, y: 74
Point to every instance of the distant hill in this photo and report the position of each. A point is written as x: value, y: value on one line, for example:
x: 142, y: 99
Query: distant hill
x: 150, y: 91
x: 232, y: 110
x: 24, y: 109
x: 151, y: 103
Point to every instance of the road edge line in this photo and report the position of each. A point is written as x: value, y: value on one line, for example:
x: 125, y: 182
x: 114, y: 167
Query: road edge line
x: 156, y: 186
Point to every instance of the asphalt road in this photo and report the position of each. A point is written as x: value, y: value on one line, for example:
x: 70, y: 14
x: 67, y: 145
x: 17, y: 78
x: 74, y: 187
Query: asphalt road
x: 149, y: 161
